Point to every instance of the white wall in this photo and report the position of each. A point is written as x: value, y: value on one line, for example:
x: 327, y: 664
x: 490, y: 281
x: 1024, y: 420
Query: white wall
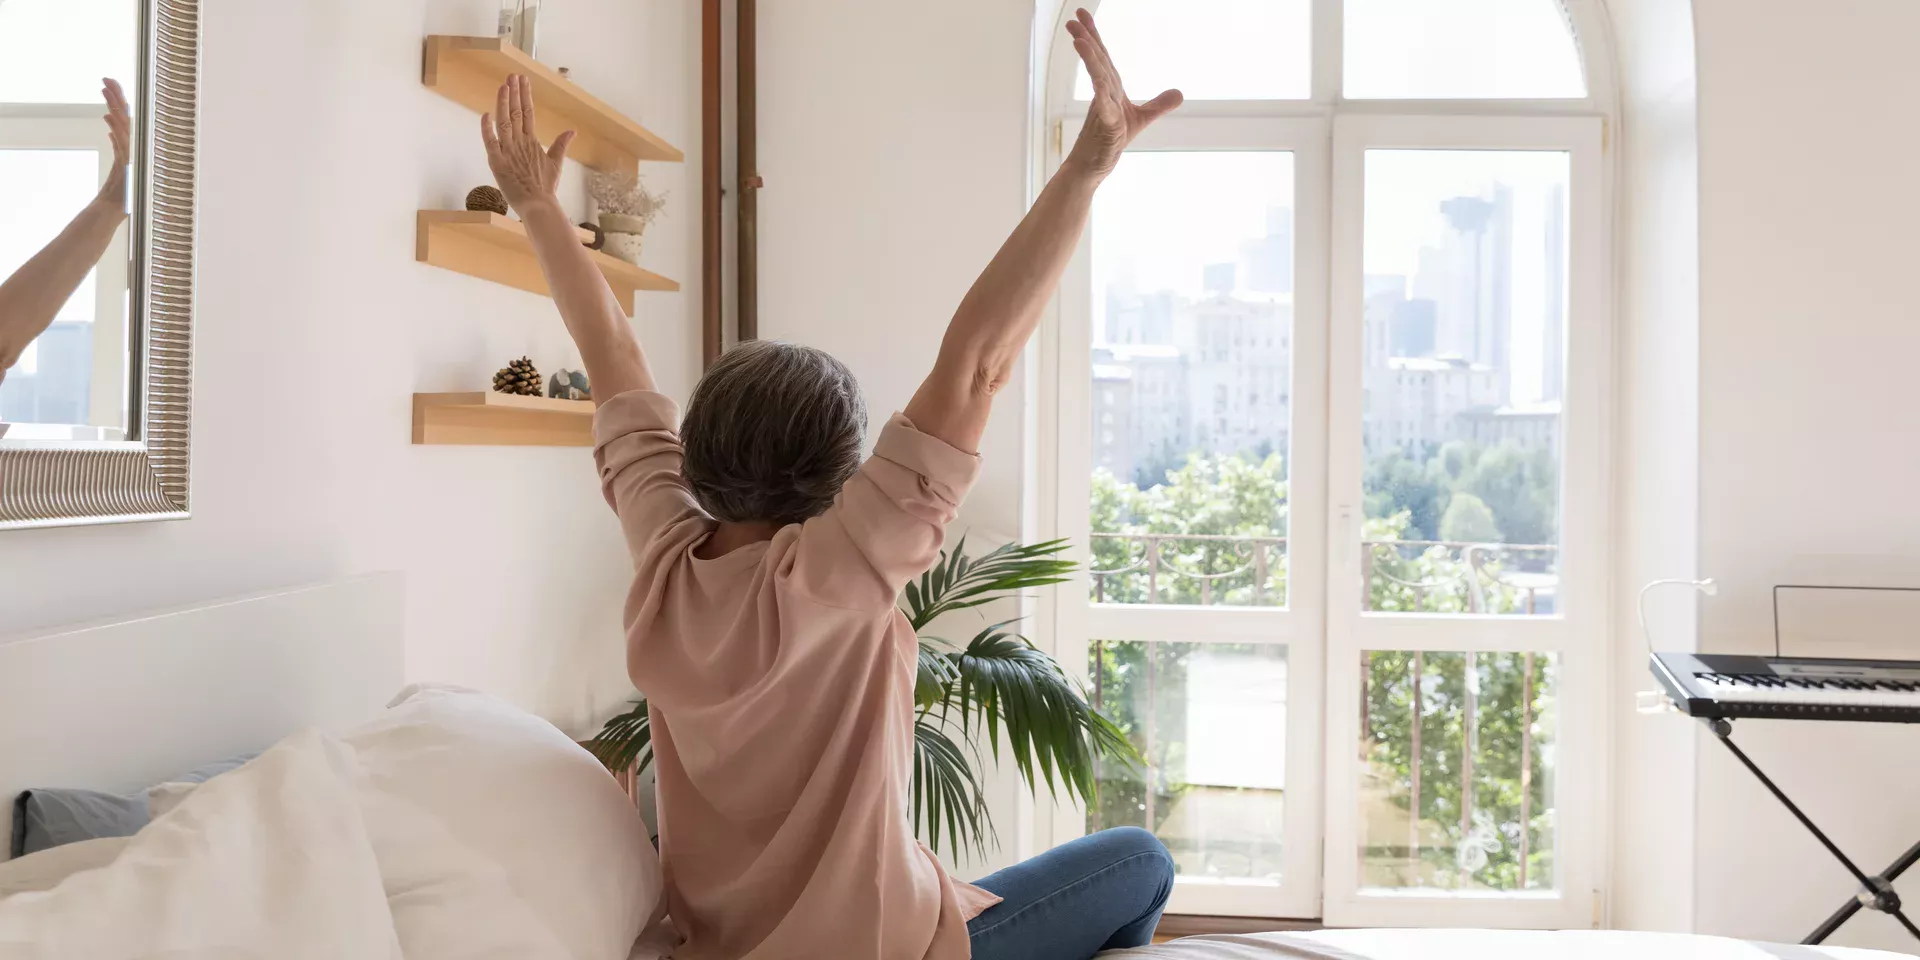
x: 1807, y: 461
x: 893, y: 140
x: 1656, y: 476
x: 315, y: 325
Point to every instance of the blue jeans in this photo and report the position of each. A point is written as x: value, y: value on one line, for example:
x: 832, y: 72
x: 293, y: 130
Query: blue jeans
x: 1100, y: 892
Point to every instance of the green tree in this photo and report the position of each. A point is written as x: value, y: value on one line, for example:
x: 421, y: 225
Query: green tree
x: 1240, y: 502
x: 1521, y: 489
x: 1469, y: 817
x: 1395, y: 482
x: 1468, y: 519
x: 1481, y: 715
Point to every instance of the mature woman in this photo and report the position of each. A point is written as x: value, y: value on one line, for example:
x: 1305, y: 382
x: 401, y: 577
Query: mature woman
x: 34, y: 294
x: 762, y: 623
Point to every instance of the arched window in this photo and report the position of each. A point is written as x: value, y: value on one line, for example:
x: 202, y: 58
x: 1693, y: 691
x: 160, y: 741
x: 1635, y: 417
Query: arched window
x: 1348, y: 315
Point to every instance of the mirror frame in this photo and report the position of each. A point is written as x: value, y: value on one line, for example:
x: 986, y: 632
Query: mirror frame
x: 145, y: 477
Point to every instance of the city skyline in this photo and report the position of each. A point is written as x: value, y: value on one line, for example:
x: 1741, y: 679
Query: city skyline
x: 1463, y: 330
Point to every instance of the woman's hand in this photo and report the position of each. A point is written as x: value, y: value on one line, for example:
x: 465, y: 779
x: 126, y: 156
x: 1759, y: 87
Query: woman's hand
x: 113, y: 193
x: 527, y: 174
x: 1112, y: 119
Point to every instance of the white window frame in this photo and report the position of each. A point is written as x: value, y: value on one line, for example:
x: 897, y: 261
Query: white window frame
x: 1300, y: 626
x: 1327, y: 135
x: 1576, y: 632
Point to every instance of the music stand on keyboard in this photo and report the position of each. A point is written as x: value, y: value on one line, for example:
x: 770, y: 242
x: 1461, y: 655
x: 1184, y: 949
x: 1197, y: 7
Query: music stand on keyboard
x: 1876, y: 892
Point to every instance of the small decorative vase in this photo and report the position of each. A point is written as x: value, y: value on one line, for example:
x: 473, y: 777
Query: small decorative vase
x: 625, y: 246
x: 623, y: 236
x: 520, y: 24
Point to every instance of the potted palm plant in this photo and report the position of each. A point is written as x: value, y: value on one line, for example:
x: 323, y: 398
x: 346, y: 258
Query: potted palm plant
x: 996, y: 683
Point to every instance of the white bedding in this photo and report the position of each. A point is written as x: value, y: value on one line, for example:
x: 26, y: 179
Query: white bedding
x: 272, y: 861
x: 452, y: 827
x: 1482, y: 945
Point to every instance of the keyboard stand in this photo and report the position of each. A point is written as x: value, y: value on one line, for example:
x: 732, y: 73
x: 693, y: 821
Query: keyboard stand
x: 1876, y: 892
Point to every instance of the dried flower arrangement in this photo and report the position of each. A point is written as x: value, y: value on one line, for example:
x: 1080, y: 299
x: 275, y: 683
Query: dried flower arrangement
x: 625, y: 195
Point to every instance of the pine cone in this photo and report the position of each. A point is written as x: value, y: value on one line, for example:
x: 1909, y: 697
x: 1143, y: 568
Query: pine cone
x: 599, y: 236
x: 518, y: 377
x: 489, y: 199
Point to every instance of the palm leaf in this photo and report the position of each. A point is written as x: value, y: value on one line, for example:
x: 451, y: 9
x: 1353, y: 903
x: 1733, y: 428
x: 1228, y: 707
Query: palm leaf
x: 959, y: 582
x: 1055, y: 736
x: 946, y: 792
x: 935, y: 676
x: 626, y: 741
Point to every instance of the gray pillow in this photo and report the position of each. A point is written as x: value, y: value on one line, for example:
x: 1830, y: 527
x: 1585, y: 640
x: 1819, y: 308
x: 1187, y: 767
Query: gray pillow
x: 46, y: 818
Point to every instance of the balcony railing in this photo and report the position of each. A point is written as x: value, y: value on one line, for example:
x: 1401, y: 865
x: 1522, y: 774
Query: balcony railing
x: 1406, y: 576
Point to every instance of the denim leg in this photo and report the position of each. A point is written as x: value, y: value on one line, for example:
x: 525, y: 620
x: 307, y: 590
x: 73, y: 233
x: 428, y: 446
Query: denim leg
x: 1100, y: 892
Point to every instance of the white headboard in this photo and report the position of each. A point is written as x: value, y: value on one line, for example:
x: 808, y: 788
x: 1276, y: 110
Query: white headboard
x: 124, y: 705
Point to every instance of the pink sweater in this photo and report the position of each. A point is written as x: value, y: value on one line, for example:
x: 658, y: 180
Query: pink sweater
x: 779, y: 679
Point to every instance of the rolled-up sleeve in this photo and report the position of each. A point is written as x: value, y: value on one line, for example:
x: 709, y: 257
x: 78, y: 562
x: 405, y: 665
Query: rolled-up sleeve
x: 887, y: 525
x: 638, y: 453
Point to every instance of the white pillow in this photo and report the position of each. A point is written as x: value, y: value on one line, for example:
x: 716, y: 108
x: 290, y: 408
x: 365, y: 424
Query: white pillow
x: 36, y: 872
x: 270, y: 862
x: 483, y: 815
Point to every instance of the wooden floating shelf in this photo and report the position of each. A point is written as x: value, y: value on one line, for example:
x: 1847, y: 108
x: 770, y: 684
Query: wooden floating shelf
x: 470, y: 70
x: 492, y: 247
x: 500, y: 419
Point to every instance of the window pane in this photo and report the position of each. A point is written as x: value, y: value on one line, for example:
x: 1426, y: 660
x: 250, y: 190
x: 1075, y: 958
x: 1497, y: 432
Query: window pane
x: 1211, y: 720
x: 1462, y: 49
x: 1192, y: 378
x: 1456, y: 772
x: 41, y: 190
x: 56, y: 51
x: 1462, y: 382
x: 1209, y: 49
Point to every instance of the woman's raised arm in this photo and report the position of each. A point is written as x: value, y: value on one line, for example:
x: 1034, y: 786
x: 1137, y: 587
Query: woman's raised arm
x: 529, y: 176
x: 33, y: 296
x: 999, y: 314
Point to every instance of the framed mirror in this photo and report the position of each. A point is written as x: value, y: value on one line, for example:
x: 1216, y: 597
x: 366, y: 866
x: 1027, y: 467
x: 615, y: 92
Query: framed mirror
x: 96, y: 258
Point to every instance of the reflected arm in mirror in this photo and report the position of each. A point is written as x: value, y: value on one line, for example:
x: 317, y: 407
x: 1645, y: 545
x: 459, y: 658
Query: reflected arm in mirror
x: 33, y: 296
x: 998, y: 316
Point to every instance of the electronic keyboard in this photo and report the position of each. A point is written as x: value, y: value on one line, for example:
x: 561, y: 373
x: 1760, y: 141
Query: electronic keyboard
x: 1711, y: 686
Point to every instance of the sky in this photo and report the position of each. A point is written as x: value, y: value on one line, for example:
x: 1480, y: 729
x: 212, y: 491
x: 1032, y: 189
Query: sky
x: 56, y: 51
x: 1163, y: 216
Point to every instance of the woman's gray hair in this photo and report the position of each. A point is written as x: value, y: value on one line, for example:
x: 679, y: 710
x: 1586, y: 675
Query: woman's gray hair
x: 772, y: 433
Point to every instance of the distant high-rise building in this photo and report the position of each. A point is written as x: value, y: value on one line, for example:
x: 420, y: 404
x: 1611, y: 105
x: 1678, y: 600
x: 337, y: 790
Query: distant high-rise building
x: 1219, y: 278
x: 1393, y: 286
x: 1139, y: 318
x: 1266, y: 264
x: 1413, y: 328
x: 1239, y: 374
x: 1430, y: 276
x: 1113, y: 412
x: 1406, y: 327
x: 1474, y: 311
x: 1140, y: 415
x: 1414, y: 404
x: 58, y: 389
x: 1553, y: 347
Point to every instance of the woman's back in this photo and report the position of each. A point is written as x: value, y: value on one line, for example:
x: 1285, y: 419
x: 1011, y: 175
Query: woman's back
x: 780, y: 680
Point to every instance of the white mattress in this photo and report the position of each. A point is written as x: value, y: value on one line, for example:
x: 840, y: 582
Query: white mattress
x: 1482, y: 945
